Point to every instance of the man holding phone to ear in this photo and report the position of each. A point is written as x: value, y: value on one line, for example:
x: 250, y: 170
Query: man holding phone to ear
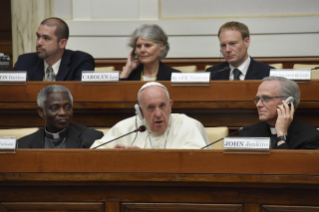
x: 165, y: 130
x: 277, y: 116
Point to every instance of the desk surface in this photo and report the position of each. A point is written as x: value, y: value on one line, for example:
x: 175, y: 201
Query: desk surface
x: 221, y: 103
x: 159, y: 180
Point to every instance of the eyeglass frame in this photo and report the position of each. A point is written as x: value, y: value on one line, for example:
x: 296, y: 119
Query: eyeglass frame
x: 256, y: 99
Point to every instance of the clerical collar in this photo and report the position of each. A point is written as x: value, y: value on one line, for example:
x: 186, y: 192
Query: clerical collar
x: 61, y: 134
x: 273, y: 131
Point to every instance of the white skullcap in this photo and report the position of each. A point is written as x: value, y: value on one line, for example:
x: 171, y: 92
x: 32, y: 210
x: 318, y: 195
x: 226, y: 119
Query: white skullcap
x: 150, y: 84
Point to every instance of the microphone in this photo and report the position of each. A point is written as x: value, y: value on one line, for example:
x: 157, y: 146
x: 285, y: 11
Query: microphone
x: 219, y: 71
x: 245, y: 127
x: 142, y: 128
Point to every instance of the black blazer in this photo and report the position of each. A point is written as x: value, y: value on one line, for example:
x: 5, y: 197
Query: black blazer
x: 256, y: 70
x: 71, y: 67
x: 78, y: 137
x: 164, y: 73
x: 301, y: 135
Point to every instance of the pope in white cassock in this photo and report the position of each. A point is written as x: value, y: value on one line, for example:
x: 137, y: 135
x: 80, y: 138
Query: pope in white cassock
x: 163, y: 129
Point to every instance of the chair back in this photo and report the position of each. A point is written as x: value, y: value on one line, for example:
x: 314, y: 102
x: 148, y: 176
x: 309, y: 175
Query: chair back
x: 186, y: 69
x: 18, y: 132
x: 215, y: 133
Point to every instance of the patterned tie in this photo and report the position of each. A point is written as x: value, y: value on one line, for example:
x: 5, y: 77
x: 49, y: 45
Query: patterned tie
x: 236, y: 73
x: 49, y: 74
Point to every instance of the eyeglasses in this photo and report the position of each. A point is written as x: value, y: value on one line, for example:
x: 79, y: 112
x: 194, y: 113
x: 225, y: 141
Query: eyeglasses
x: 266, y: 99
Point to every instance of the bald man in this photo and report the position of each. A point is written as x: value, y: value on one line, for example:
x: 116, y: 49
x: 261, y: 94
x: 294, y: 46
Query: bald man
x: 51, y: 61
x: 164, y: 129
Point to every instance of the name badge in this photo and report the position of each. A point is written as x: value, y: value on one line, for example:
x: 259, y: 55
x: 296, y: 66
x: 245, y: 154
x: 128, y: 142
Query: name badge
x: 8, y: 143
x: 100, y: 76
x: 247, y: 143
x: 13, y: 76
x: 293, y: 74
x: 190, y: 77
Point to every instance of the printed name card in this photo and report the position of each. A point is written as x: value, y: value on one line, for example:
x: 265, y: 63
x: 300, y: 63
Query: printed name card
x: 190, y: 77
x: 8, y: 143
x: 293, y: 74
x: 247, y: 143
x: 13, y: 76
x: 100, y: 76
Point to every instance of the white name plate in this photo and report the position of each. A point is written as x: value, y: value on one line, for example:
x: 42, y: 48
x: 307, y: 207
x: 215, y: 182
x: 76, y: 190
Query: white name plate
x: 100, y: 76
x: 293, y: 74
x: 191, y: 77
x: 248, y: 143
x: 13, y: 76
x: 8, y: 142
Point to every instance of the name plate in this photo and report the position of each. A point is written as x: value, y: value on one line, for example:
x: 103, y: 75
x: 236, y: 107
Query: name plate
x: 247, y: 143
x: 100, y: 76
x: 13, y: 76
x: 293, y: 74
x: 191, y: 77
x: 8, y: 142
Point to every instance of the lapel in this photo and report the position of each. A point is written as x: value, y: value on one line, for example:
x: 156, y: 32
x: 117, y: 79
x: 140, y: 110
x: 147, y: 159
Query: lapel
x: 263, y: 130
x: 38, y: 140
x: 64, y: 67
x: 161, y: 72
x: 37, y: 73
x: 222, y: 75
x: 252, y: 71
x: 74, y: 138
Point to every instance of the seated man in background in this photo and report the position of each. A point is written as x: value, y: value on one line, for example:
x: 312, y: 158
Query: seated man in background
x: 277, y: 118
x: 164, y: 130
x: 55, y: 107
x: 52, y: 62
x: 234, y: 41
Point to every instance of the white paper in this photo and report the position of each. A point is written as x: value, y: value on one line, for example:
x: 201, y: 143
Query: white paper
x: 191, y: 77
x: 293, y: 74
x: 8, y: 142
x: 12, y: 76
x: 100, y: 76
x: 250, y: 143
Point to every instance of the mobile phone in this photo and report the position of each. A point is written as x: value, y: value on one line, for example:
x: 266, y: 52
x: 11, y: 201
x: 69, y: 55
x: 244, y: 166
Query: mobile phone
x: 134, y: 54
x: 289, y: 100
x: 138, y: 111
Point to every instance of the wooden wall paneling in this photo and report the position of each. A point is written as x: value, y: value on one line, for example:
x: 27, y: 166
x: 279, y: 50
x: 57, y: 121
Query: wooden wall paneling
x: 249, y: 207
x: 112, y: 206
x: 180, y: 207
x: 288, y: 208
x: 53, y: 206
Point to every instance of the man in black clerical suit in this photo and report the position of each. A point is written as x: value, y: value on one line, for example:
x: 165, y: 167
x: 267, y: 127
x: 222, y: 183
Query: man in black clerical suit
x: 277, y: 118
x: 234, y: 41
x: 51, y: 61
x: 55, y: 107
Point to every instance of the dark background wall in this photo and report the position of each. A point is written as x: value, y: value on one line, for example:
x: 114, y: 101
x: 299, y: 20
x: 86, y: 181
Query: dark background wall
x: 6, y: 29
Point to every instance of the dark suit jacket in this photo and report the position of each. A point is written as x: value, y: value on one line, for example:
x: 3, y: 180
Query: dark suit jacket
x: 71, y: 67
x: 164, y: 73
x: 78, y: 137
x: 301, y: 135
x: 256, y: 70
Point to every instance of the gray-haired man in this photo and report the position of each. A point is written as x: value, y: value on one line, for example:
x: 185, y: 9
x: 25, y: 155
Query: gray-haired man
x: 277, y: 118
x: 55, y: 107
